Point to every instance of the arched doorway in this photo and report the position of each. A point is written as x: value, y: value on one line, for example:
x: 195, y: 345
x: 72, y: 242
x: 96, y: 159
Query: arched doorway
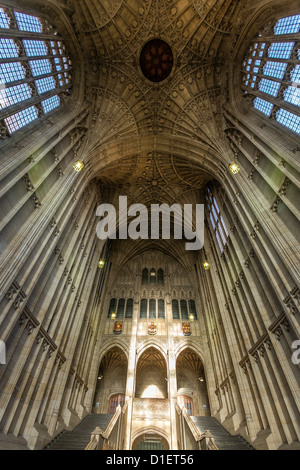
x: 151, y: 375
x: 191, y: 384
x: 150, y: 440
x: 111, y: 382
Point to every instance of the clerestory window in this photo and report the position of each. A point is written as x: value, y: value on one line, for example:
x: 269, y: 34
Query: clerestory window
x: 217, y: 221
x: 271, y: 72
x: 35, y: 70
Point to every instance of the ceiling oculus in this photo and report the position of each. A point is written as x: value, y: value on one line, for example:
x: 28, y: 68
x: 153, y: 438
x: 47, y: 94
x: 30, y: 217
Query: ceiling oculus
x: 156, y: 60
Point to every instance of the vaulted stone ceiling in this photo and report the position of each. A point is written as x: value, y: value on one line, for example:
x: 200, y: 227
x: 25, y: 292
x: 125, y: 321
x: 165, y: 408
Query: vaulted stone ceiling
x: 188, y: 103
x: 156, y: 141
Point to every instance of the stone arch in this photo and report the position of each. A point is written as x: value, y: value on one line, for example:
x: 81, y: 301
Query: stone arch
x: 140, y: 435
x: 148, y: 343
x: 151, y: 374
x: 184, y: 344
x: 191, y: 383
x: 111, y: 378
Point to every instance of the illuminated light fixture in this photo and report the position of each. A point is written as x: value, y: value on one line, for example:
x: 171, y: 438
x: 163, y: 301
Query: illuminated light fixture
x: 206, y: 265
x: 113, y: 316
x: 101, y: 263
x: 191, y: 317
x: 201, y: 379
x: 234, y: 168
x: 152, y: 274
x: 79, y: 165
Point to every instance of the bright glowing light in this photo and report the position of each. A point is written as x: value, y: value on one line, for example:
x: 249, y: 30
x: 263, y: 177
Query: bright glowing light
x: 206, y: 265
x: 234, y: 168
x: 101, y: 263
x: 79, y: 165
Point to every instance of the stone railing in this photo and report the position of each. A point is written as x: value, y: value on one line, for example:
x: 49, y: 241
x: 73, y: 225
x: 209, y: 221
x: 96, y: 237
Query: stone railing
x: 190, y: 437
x: 113, y: 436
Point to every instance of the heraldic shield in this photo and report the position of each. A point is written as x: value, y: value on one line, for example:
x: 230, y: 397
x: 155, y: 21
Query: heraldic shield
x: 152, y: 328
x: 118, y: 327
x: 186, y: 328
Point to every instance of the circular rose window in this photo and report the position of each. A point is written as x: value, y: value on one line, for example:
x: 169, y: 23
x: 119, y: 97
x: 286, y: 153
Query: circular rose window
x: 156, y: 60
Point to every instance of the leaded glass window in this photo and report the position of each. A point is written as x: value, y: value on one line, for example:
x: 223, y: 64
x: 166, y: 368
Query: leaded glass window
x: 217, y: 221
x: 112, y: 307
x: 129, y: 308
x: 192, y: 308
x: 35, y: 73
x: 175, y: 309
x: 144, y: 308
x: 184, y: 309
x: 161, y: 308
x: 121, y: 307
x: 152, y: 308
x: 271, y: 78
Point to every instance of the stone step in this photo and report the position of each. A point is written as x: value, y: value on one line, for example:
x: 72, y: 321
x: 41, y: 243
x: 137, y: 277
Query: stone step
x: 223, y: 439
x: 80, y: 436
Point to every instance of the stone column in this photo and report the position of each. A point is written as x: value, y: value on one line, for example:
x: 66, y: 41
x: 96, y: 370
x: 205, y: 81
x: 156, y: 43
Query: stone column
x: 130, y: 384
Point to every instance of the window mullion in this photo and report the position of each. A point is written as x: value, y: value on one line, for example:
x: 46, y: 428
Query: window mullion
x: 33, y: 101
x: 284, y: 81
x: 32, y: 79
x: 17, y: 34
x: 278, y: 38
x: 276, y: 101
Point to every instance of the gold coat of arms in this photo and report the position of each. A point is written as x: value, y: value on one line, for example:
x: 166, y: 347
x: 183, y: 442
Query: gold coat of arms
x: 118, y: 327
x: 186, y: 328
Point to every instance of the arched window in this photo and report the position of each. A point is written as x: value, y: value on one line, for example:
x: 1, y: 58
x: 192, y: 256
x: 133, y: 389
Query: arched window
x: 112, y: 307
x: 175, y: 309
x: 121, y: 307
x: 217, y: 221
x: 129, y: 308
x: 161, y: 308
x: 187, y: 402
x: 35, y: 70
x: 152, y: 277
x: 145, y: 277
x: 144, y: 308
x: 160, y: 277
x: 192, y: 308
x: 272, y: 72
x: 184, y: 309
x: 152, y: 308
x: 114, y: 402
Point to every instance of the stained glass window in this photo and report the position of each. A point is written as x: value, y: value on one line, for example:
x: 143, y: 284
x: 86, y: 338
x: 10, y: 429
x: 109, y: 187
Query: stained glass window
x: 272, y: 80
x: 34, y: 72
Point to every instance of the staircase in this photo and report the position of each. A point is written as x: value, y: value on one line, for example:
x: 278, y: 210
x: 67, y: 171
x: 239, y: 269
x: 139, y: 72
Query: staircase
x: 223, y: 440
x: 81, y: 435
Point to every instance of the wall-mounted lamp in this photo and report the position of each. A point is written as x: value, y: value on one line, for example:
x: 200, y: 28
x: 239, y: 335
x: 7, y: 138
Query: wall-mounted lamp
x: 78, y: 166
x: 206, y: 265
x: 113, y: 316
x: 101, y: 263
x: 234, y: 168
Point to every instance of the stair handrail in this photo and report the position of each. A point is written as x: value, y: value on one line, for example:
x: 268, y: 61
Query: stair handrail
x: 205, y: 438
x: 94, y: 443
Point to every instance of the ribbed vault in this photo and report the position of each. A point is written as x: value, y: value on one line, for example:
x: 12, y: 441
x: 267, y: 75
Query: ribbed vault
x: 156, y: 142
